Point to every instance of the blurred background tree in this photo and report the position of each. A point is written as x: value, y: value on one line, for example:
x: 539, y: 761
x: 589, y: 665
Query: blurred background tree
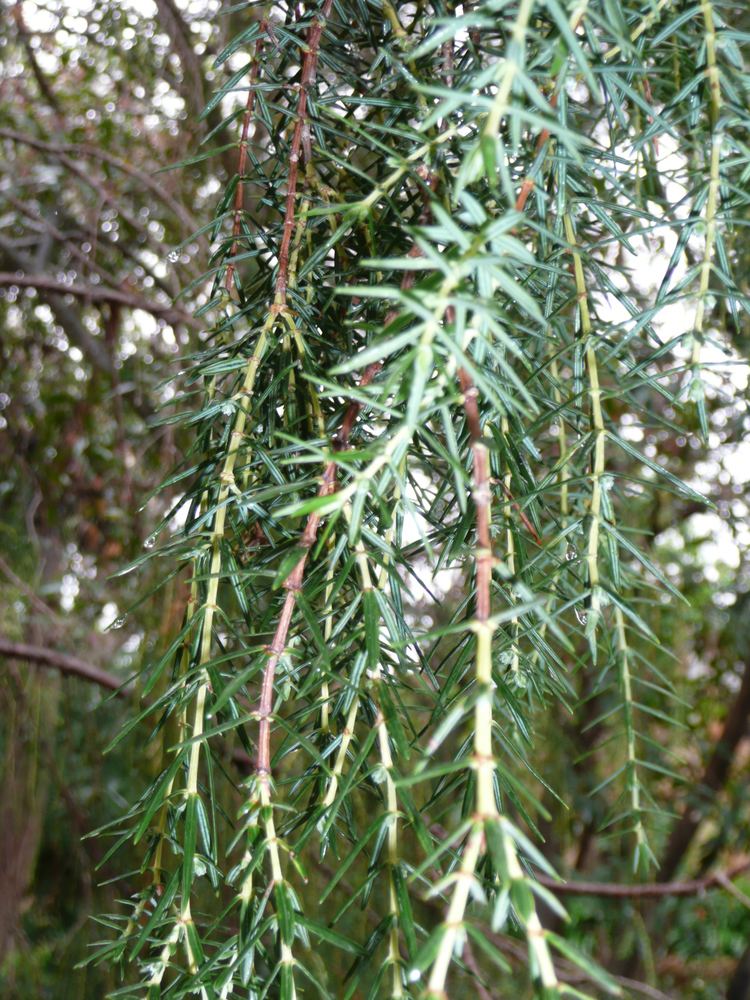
x: 102, y: 260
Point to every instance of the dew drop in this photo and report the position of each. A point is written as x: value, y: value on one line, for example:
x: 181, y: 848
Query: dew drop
x: 571, y: 553
x: 379, y: 774
x: 119, y: 622
x: 581, y: 616
x: 519, y: 680
x: 173, y: 256
x: 505, y: 658
x: 150, y: 542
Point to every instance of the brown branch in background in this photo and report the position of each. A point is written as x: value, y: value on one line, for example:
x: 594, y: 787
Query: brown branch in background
x: 93, y: 348
x: 623, y: 890
x: 68, y: 241
x: 191, y: 83
x: 472, y: 965
x: 646, y: 890
x: 511, y: 947
x: 68, y: 318
x: 42, y: 82
x: 70, y: 665
x: 571, y: 973
x: 239, y: 194
x: 96, y: 293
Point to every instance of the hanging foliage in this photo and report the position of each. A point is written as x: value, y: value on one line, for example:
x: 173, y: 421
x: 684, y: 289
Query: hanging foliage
x: 423, y: 360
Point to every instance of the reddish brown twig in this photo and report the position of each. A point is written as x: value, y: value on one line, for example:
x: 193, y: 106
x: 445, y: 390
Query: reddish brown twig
x: 292, y: 585
x: 300, y: 141
x: 481, y: 496
x: 528, y: 183
x: 524, y: 519
x: 239, y: 194
x: 294, y: 581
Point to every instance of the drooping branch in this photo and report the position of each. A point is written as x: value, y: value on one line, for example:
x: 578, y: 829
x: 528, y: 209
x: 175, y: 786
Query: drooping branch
x: 307, y: 77
x: 292, y: 585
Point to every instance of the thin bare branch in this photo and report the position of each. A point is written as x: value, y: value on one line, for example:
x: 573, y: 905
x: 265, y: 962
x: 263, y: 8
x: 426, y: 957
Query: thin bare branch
x: 98, y: 293
x: 66, y: 664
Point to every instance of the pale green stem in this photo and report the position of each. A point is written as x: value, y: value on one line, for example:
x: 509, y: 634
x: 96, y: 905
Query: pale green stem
x: 634, y: 786
x: 453, y: 924
x: 510, y: 547
x: 452, y: 930
x: 286, y: 956
x: 598, y: 471
x: 562, y: 444
x: 227, y: 485
x: 597, y: 418
x: 338, y: 766
x: 168, y: 949
x: 712, y: 201
x: 394, y: 954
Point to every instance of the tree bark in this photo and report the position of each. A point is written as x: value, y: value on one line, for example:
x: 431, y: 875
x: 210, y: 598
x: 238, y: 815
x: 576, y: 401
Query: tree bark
x: 713, y: 779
